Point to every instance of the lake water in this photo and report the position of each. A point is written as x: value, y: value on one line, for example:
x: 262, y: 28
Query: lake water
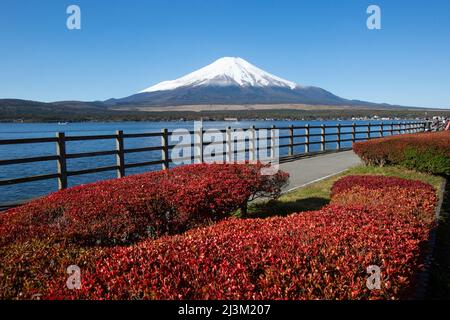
x: 24, y: 191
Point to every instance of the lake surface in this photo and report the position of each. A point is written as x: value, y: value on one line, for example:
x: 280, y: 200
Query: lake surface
x: 25, y: 191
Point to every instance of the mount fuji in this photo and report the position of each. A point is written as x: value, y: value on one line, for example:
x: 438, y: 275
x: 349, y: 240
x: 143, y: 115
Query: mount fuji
x: 231, y: 80
x: 224, y: 72
x: 227, y: 85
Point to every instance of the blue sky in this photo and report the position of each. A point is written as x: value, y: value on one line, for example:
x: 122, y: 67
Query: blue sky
x: 126, y: 46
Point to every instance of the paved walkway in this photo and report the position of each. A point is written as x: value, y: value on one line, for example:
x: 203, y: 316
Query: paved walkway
x: 308, y: 170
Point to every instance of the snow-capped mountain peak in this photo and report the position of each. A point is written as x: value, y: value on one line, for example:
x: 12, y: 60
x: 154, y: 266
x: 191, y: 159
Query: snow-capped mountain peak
x: 226, y: 71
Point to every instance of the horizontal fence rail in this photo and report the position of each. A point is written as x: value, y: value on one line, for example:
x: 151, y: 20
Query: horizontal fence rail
x: 305, y: 136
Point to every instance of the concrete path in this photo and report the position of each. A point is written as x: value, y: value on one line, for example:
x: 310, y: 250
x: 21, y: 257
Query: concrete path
x: 308, y: 170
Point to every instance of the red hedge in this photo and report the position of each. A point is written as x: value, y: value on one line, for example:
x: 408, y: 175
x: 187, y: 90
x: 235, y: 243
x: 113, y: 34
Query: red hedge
x: 27, y: 269
x: 147, y: 205
x: 429, y: 152
x: 377, y: 182
x: 311, y: 255
x: 402, y: 196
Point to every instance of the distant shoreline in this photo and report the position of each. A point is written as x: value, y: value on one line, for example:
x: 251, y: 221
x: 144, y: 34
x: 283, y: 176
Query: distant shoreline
x: 211, y: 120
x: 33, y: 114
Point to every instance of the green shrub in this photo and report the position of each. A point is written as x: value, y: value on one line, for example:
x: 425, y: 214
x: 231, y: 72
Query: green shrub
x: 425, y: 152
x: 429, y: 160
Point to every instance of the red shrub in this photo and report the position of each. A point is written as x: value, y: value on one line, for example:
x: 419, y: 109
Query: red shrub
x: 134, y: 207
x: 377, y: 182
x: 400, y: 196
x: 429, y: 152
x: 28, y: 268
x: 312, y: 255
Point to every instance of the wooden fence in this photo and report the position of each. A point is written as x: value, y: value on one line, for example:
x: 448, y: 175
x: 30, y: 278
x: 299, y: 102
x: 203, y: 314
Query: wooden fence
x: 61, y: 156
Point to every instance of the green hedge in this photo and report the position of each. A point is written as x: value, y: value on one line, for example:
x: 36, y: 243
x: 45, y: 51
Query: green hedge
x: 425, y: 152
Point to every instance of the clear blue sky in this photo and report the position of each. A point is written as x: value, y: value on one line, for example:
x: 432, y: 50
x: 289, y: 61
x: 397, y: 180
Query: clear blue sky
x: 126, y: 46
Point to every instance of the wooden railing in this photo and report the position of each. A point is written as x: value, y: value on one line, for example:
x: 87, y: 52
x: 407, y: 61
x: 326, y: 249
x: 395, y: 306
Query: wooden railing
x: 119, y: 152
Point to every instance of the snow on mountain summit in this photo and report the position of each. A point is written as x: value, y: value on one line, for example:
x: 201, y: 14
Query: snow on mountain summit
x: 225, y: 71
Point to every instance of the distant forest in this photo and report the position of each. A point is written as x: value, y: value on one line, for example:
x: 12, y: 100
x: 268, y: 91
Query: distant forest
x: 78, y: 113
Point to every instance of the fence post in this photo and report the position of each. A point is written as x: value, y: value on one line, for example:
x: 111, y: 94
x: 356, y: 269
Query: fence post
x: 353, y: 132
x: 307, y: 138
x: 322, y: 137
x: 369, y: 131
x: 252, y: 144
x: 229, y: 152
x: 62, y: 162
x: 291, y: 140
x: 165, y: 148
x: 120, y: 156
x: 338, y: 136
x: 272, y: 142
x: 198, y: 140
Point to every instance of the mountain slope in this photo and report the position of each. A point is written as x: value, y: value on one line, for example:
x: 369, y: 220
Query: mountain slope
x: 225, y: 71
x: 230, y: 81
x: 232, y: 95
